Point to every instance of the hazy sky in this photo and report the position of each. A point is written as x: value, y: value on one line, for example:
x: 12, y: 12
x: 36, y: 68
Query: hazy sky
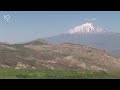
x: 29, y: 25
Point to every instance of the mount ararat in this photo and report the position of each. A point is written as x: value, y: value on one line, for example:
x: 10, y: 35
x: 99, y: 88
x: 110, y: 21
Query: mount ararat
x: 90, y: 34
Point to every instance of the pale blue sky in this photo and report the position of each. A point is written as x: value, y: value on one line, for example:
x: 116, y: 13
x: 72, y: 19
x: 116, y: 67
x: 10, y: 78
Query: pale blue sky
x: 30, y: 25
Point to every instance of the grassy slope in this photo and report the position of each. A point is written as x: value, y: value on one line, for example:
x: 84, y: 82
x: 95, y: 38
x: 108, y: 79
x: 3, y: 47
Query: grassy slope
x: 8, y: 55
x: 37, y: 43
x: 55, y: 74
x: 11, y: 57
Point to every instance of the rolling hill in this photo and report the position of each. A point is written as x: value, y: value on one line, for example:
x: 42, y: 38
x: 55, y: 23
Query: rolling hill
x: 40, y: 54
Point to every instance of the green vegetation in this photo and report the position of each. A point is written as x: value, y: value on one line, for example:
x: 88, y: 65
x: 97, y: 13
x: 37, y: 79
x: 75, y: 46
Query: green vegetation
x: 39, y: 43
x: 39, y: 62
x: 53, y: 55
x: 6, y: 50
x: 15, y: 48
x: 12, y: 54
x: 55, y: 74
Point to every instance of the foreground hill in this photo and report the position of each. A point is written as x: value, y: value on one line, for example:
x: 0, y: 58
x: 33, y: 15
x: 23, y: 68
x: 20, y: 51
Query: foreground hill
x: 40, y: 54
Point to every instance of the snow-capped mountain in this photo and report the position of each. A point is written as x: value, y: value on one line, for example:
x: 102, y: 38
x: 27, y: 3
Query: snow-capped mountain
x: 86, y: 28
x: 92, y: 35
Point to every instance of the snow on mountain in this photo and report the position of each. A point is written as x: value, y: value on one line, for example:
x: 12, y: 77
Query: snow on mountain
x: 86, y: 28
x: 92, y: 35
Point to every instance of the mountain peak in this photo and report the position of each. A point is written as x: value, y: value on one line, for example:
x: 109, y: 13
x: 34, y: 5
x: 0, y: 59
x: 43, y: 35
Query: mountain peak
x: 86, y: 28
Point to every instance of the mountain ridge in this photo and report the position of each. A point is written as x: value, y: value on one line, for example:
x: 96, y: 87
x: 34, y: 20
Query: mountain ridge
x: 101, y: 38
